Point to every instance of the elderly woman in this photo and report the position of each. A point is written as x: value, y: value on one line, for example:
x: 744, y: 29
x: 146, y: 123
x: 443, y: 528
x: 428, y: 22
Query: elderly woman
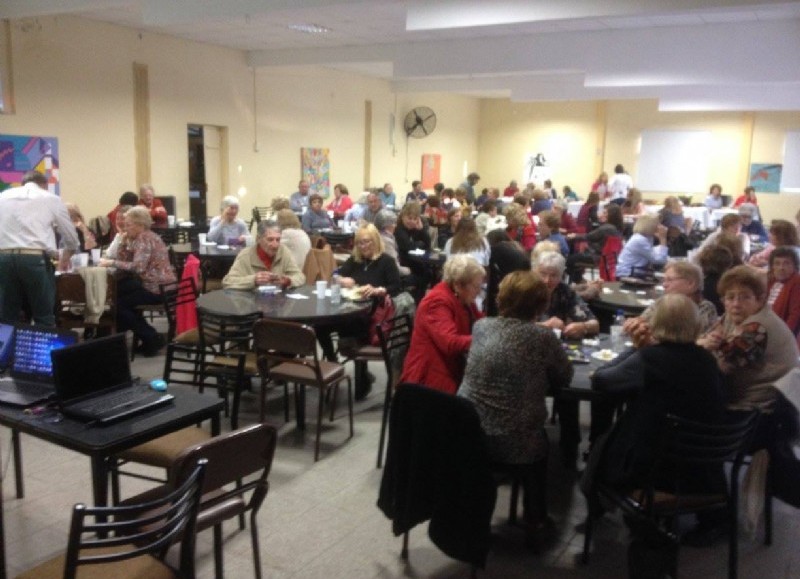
x: 370, y: 267
x: 752, y: 345
x: 549, y: 223
x: 316, y: 218
x: 671, y: 376
x: 118, y: 247
x: 265, y: 263
x: 227, y: 228
x: 512, y: 365
x: 468, y: 240
x: 680, y: 277
x: 783, y: 288
x: 341, y: 201
x: 781, y: 233
x: 85, y: 235
x: 520, y: 227
x: 147, y: 258
x: 565, y: 311
x: 293, y: 237
x: 672, y: 215
x: 154, y: 206
x: 729, y: 230
x: 587, y: 215
x: 715, y: 260
x: 638, y: 254
x: 443, y: 327
x: 751, y: 227
x: 386, y: 224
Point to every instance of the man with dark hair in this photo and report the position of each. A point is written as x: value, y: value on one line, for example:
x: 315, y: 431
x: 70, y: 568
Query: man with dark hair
x: 469, y: 186
x: 127, y: 199
x: 417, y: 194
x: 26, y: 272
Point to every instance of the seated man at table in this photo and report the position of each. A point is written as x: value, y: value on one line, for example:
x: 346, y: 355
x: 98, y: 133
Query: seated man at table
x: 147, y: 198
x: 265, y: 263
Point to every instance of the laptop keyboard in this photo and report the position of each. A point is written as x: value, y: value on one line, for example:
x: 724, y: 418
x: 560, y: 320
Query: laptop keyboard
x: 117, y: 401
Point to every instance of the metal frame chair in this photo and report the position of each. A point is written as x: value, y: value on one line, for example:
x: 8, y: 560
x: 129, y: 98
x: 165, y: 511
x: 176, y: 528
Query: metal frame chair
x: 136, y: 539
x: 685, y: 444
x: 394, y: 346
x: 289, y: 351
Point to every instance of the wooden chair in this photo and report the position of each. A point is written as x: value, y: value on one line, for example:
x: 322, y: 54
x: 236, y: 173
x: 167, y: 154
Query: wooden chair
x: 259, y: 214
x: 231, y: 458
x: 394, y: 346
x: 289, y: 351
x: 686, y: 445
x: 122, y: 554
x: 71, y: 304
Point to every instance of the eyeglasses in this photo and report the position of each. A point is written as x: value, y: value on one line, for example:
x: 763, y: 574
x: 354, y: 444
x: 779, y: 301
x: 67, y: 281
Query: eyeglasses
x: 363, y: 241
x: 740, y: 297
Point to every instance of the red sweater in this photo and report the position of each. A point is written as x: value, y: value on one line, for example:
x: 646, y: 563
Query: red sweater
x: 787, y: 305
x: 440, y: 342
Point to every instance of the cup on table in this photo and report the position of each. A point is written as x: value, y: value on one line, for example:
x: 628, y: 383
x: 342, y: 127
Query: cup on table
x: 171, y: 220
x: 96, y: 256
x: 201, y: 237
x: 322, y: 286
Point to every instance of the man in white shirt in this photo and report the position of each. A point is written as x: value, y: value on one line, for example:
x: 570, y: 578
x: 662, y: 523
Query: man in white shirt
x: 29, y: 217
x: 619, y: 184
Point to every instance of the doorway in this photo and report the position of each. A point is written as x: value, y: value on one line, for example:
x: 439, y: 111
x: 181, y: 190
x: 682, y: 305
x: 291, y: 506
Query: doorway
x: 207, y: 170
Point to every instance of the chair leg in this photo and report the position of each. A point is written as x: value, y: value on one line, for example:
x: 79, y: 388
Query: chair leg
x: 768, y: 508
x: 733, y: 543
x: 17, y: 452
x: 334, y: 399
x: 512, y: 507
x: 404, y: 552
x: 387, y: 401
x: 237, y: 397
x: 113, y: 471
x: 320, y: 413
x: 587, y: 536
x: 350, y: 404
x: 254, y: 538
x: 218, y: 555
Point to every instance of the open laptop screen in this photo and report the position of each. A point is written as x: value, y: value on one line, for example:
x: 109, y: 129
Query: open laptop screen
x: 6, y: 344
x: 32, y: 347
x: 90, y: 367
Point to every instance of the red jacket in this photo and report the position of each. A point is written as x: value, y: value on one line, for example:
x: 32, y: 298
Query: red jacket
x: 787, y: 305
x: 440, y: 342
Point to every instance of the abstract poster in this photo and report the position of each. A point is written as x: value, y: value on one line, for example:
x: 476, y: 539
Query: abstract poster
x: 316, y: 169
x: 766, y: 178
x: 431, y: 169
x: 19, y: 154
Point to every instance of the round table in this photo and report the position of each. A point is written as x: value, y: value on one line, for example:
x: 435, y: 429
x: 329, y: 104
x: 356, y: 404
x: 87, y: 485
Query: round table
x: 307, y: 309
x: 632, y: 300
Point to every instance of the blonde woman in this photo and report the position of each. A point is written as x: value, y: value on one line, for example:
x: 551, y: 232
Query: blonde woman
x: 639, y: 254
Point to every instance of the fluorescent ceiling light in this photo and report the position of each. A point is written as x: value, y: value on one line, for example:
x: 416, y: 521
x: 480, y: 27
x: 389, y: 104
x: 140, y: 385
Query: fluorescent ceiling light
x: 310, y: 28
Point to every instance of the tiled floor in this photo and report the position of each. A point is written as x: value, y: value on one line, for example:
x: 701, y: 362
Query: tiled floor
x: 320, y: 520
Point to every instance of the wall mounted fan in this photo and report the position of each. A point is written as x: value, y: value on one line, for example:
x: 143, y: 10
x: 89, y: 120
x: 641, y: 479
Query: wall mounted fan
x: 420, y: 122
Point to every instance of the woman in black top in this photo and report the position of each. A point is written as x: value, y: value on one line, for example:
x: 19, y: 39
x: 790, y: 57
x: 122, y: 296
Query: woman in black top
x: 411, y: 234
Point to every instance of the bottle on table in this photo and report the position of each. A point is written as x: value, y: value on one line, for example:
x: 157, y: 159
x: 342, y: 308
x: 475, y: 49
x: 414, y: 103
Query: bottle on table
x: 617, y: 335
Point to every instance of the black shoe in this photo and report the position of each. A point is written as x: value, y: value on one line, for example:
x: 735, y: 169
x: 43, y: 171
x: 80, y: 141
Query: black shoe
x: 152, y: 346
x: 363, y: 392
x: 702, y: 536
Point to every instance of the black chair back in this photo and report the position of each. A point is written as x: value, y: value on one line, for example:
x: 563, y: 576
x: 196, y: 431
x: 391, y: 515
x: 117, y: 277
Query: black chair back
x: 174, y: 295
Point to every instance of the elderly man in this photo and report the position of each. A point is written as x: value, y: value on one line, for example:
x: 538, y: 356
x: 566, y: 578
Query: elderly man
x: 26, y: 272
x: 298, y: 202
x: 374, y: 206
x: 147, y: 198
x: 388, y: 198
x: 265, y: 263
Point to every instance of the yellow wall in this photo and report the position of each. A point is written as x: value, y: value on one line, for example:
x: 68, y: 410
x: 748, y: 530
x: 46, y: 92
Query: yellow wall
x: 571, y: 137
x: 73, y: 80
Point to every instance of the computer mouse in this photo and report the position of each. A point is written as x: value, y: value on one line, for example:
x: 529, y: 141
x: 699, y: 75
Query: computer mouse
x: 158, y: 385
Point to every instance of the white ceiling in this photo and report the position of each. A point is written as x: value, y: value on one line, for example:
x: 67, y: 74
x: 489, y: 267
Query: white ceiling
x: 688, y: 54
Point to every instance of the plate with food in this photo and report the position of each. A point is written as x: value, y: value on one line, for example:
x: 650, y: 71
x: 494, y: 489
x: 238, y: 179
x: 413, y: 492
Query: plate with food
x: 639, y: 282
x: 604, y: 355
x: 354, y: 294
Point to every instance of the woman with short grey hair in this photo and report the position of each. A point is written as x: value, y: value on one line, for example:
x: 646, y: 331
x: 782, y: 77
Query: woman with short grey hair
x: 386, y: 223
x: 227, y: 228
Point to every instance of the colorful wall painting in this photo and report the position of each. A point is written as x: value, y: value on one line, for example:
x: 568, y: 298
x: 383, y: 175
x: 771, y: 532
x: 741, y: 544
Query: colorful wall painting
x: 316, y: 169
x: 766, y: 177
x: 431, y: 170
x: 19, y: 153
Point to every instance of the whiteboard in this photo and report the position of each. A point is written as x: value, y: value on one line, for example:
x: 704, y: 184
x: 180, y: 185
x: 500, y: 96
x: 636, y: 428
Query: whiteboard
x: 790, y: 178
x: 674, y: 161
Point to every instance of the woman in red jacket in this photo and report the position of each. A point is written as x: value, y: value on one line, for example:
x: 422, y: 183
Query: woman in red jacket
x: 783, y: 290
x: 443, y: 327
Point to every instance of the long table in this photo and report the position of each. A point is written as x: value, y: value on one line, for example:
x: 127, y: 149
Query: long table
x: 101, y: 442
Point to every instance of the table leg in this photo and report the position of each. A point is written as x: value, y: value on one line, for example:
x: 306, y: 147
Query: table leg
x: 100, y: 487
x: 2, y: 531
x: 15, y: 441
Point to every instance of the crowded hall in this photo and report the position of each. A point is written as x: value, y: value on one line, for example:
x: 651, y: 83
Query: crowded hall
x: 323, y: 288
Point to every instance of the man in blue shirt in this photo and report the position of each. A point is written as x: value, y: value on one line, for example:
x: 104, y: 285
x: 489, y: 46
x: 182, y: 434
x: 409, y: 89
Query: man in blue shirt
x: 387, y: 196
x: 299, y: 199
x: 417, y: 194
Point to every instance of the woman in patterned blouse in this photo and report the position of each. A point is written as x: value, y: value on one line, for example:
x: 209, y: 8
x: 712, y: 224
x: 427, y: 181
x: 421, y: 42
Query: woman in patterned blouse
x: 149, y: 267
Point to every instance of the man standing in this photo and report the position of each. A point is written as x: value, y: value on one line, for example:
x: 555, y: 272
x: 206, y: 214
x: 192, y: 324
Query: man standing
x: 298, y: 202
x: 469, y: 187
x: 29, y: 216
x: 619, y: 184
x: 147, y: 198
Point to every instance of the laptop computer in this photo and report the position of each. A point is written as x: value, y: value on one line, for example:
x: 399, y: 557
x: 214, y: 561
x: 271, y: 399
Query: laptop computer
x: 31, y: 379
x: 6, y: 345
x: 93, y: 382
